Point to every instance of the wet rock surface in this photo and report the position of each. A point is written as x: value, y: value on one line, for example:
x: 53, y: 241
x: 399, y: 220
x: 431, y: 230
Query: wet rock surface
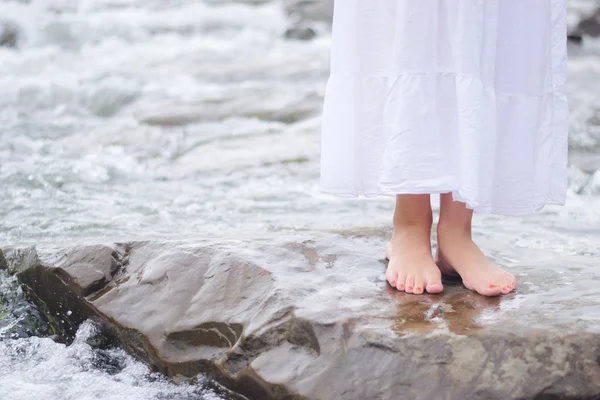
x: 314, y: 318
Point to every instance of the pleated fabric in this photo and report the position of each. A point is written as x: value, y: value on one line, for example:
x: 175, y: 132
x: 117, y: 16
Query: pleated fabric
x: 438, y: 96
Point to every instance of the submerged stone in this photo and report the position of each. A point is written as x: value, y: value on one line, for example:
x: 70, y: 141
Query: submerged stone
x: 313, y: 318
x: 9, y: 34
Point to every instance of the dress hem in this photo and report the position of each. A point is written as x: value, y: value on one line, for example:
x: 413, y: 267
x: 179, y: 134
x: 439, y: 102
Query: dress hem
x: 478, y: 208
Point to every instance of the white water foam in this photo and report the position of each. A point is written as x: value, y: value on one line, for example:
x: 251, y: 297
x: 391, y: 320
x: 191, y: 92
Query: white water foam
x: 39, y: 368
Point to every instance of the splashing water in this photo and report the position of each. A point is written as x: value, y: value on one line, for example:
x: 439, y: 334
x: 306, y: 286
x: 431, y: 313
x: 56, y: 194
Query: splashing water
x: 39, y: 368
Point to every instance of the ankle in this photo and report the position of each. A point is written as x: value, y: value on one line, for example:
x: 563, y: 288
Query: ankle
x: 413, y: 238
x: 452, y: 230
x: 413, y: 222
x: 413, y: 211
x: 413, y: 225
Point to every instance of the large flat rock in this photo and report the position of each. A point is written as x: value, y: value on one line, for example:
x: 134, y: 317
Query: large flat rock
x: 299, y: 317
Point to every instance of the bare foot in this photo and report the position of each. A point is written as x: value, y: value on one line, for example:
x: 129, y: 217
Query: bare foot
x: 457, y: 252
x: 411, y: 267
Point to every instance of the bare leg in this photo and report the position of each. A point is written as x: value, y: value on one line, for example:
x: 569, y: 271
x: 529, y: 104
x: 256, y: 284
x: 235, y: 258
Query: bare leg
x: 457, y: 252
x: 411, y: 268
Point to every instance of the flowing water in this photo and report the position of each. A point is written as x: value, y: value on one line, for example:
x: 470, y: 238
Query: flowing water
x: 144, y: 119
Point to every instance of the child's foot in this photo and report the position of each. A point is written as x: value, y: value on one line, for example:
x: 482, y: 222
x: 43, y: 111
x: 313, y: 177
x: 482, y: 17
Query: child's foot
x: 458, y: 253
x: 411, y: 268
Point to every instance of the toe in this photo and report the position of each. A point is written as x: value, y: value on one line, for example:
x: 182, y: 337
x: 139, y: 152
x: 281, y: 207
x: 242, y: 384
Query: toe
x: 468, y: 285
x: 509, y: 283
x: 490, y: 290
x: 392, y: 276
x: 433, y: 283
x: 512, y: 281
x: 419, y: 285
x: 410, y: 284
x: 400, y: 284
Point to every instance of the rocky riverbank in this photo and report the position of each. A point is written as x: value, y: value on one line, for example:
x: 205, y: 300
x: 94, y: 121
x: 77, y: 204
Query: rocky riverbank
x: 314, y: 319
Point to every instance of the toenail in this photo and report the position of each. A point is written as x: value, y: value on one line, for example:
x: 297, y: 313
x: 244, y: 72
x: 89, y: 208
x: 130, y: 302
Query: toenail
x: 493, y: 286
x: 393, y: 283
x: 409, y: 288
x: 418, y: 289
x: 401, y: 287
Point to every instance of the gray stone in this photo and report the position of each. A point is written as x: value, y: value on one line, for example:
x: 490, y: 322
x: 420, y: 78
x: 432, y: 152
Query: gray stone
x: 304, y: 14
x: 91, y: 267
x: 300, y: 33
x: 265, y: 109
x: 310, y: 10
x: 9, y: 34
x: 589, y: 26
x: 313, y: 318
x: 3, y: 264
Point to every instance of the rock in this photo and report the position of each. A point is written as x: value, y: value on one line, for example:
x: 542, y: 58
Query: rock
x: 19, y: 317
x: 90, y: 268
x: 304, y: 14
x: 575, y: 38
x: 3, y: 264
x: 264, y: 108
x: 76, y: 273
x: 300, y: 33
x: 9, y: 34
x: 587, y: 27
x: 310, y: 10
x: 313, y: 318
x: 590, y: 26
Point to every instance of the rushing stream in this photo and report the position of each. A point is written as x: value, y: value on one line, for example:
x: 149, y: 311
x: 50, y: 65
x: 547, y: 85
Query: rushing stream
x: 153, y: 119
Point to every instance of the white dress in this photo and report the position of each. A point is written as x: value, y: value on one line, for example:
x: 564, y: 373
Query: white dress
x: 439, y: 96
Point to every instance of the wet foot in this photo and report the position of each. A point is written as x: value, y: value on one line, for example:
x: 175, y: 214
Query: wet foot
x: 457, y: 253
x: 411, y: 268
